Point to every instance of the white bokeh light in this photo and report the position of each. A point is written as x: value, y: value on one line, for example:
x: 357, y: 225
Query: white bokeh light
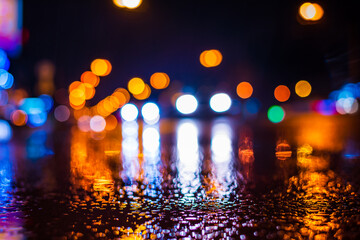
x: 150, y: 113
x: 186, y: 104
x: 129, y: 112
x: 97, y: 123
x: 220, y: 102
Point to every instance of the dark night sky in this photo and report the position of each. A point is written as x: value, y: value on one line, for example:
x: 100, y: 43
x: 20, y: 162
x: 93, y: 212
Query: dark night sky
x: 261, y: 41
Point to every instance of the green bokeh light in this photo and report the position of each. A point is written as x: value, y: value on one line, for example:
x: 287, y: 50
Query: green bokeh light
x: 276, y: 114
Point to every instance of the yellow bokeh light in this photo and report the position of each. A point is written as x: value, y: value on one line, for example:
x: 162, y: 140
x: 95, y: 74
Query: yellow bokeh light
x: 303, y: 88
x: 311, y: 11
x: 76, y: 85
x: 136, y: 86
x: 282, y: 93
x: 119, y: 3
x: 145, y: 94
x: 244, y: 90
x: 101, y: 67
x: 210, y: 58
x: 159, y: 80
x: 77, y: 97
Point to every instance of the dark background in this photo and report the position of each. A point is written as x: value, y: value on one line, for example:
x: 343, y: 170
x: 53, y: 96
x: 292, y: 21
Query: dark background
x: 262, y: 42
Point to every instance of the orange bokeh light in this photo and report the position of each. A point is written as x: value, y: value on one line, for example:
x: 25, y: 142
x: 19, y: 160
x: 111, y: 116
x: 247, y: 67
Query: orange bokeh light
x: 122, y: 95
x: 91, y: 78
x: 101, y: 67
x: 111, y: 123
x: 159, y: 80
x: 76, y: 85
x: 282, y: 93
x: 136, y: 86
x: 210, y: 58
x: 89, y: 91
x: 244, y: 90
x: 145, y: 94
x: 311, y: 11
x: 19, y: 118
x: 77, y: 97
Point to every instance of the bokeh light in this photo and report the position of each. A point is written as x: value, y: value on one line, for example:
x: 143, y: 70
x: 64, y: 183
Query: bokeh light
x: 91, y: 78
x: 210, y: 58
x: 89, y: 91
x: 252, y: 106
x: 84, y: 123
x: 303, y: 88
x: 129, y: 112
x: 244, y: 90
x: 220, y: 102
x: 4, y: 97
x: 131, y: 4
x: 62, y: 113
x: 48, y: 102
x: 6, y: 79
x: 276, y: 114
x: 37, y: 120
x: 347, y: 105
x: 97, y: 123
x: 311, y: 11
x: 77, y: 98
x: 145, y: 94
x: 4, y: 60
x: 186, y: 104
x: 122, y: 96
x: 19, y: 118
x: 325, y: 107
x: 159, y: 80
x: 136, y: 85
x: 282, y: 93
x: 150, y: 112
x: 5, y: 131
x: 111, y: 123
x: 101, y: 67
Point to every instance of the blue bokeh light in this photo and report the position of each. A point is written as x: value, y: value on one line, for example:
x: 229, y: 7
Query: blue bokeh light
x: 48, y: 102
x: 4, y: 60
x: 5, y: 131
x: 6, y: 79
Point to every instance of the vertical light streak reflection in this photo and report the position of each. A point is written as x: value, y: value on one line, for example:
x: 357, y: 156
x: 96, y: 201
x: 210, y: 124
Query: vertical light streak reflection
x: 11, y: 218
x: 152, y: 159
x: 222, y: 158
x: 188, y: 155
x: 130, y: 152
x: 89, y: 170
x: 246, y: 157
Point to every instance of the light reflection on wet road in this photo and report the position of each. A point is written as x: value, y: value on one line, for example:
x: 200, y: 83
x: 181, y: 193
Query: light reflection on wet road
x: 204, y: 180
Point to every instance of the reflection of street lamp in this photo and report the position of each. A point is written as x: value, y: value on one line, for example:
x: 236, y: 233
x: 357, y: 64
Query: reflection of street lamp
x: 131, y: 4
x: 311, y: 11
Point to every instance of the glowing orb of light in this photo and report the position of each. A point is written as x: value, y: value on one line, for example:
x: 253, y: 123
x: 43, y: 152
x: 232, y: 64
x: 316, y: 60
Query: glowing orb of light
x: 19, y: 118
x: 145, y: 94
x: 220, y: 102
x: 48, y: 101
x: 136, y: 85
x: 97, y: 123
x: 37, y: 119
x: 282, y: 93
x: 91, y: 78
x: 151, y: 113
x: 129, y: 112
x: 159, y: 80
x: 84, y: 123
x: 62, y: 113
x: 111, y: 123
x: 303, y: 88
x: 186, y: 104
x: 276, y: 114
x: 347, y: 105
x: 311, y: 11
x: 5, y: 131
x: 244, y: 90
x: 4, y: 60
x: 101, y: 67
x: 6, y: 79
x: 131, y: 4
x: 210, y: 58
